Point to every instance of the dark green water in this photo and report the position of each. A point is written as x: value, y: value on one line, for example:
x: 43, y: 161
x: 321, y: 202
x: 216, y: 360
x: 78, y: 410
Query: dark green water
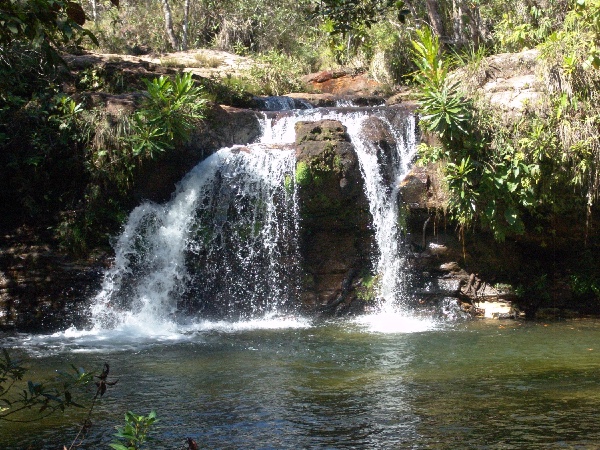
x: 475, y: 385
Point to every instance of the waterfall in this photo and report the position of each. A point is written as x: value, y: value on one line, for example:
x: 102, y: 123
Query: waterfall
x: 384, y: 206
x: 281, y: 103
x: 383, y: 171
x: 226, y: 245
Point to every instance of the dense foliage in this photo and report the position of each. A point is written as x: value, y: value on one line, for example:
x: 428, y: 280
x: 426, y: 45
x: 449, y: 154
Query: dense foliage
x: 536, y: 172
x: 544, y: 164
x: 45, y: 24
x: 499, y: 175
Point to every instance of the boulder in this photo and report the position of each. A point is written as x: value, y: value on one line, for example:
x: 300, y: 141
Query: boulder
x: 335, y: 235
x: 342, y: 83
x: 316, y: 100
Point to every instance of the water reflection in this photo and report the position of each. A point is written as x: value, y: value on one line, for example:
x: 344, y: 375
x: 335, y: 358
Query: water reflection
x: 335, y: 385
x: 347, y: 390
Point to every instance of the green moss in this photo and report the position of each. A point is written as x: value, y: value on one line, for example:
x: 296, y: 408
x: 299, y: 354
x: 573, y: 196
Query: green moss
x: 288, y: 184
x: 337, y: 163
x: 318, y: 178
x: 367, y: 291
x: 402, y: 220
x: 303, y: 174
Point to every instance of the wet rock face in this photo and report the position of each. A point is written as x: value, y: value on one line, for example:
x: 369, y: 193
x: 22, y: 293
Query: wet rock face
x: 223, y: 127
x: 43, y: 289
x: 383, y: 143
x: 335, y: 237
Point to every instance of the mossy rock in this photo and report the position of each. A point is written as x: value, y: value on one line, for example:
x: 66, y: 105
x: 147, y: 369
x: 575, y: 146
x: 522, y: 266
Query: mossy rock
x: 323, y: 130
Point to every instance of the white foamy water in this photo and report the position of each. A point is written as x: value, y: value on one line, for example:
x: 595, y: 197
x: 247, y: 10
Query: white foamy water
x: 135, y: 335
x: 227, y: 233
x: 399, y: 321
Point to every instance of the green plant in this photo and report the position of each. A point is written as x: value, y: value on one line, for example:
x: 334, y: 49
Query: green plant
x: 345, y: 16
x: 432, y: 70
x: 288, y: 184
x: 588, y: 11
x: 368, y: 287
x: 445, y: 112
x: 303, y: 174
x: 585, y: 285
x: 135, y: 431
x: 487, y: 181
x: 45, y: 24
x: 443, y: 109
x: 514, y: 36
x: 276, y: 73
x: 167, y: 116
x: 40, y: 399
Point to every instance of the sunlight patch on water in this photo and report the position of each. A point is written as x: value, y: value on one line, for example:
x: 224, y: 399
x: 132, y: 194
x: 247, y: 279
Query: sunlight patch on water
x: 273, y: 322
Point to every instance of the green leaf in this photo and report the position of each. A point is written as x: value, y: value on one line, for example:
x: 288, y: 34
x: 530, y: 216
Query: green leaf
x: 118, y: 447
x: 511, y: 216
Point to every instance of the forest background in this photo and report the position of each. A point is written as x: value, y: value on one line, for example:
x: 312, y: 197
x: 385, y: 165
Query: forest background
x: 505, y: 177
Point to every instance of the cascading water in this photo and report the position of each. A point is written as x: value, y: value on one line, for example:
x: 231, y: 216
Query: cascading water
x: 281, y: 103
x: 384, y: 206
x: 383, y: 170
x: 226, y: 245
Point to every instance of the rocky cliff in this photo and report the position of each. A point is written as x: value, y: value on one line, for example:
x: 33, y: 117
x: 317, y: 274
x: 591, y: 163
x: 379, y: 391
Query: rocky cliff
x: 336, y: 238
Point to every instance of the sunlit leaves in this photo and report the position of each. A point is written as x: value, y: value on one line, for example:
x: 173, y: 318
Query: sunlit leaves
x: 343, y: 16
x: 443, y: 110
x: 135, y: 431
x: 589, y: 13
x: 167, y: 115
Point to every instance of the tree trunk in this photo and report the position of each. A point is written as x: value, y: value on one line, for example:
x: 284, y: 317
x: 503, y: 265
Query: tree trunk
x: 458, y: 23
x: 94, y: 10
x: 467, y: 24
x: 169, y: 24
x: 186, y: 17
x: 435, y: 20
x: 476, y: 26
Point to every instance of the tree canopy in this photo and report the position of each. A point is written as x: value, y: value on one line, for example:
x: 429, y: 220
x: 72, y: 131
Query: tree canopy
x: 47, y: 24
x: 345, y: 15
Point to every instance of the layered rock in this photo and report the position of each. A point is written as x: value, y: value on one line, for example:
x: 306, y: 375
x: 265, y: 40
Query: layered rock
x: 42, y: 289
x: 335, y: 236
